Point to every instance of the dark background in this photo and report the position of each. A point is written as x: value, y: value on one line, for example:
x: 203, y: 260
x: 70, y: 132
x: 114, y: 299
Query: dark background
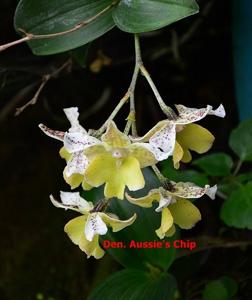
x: 37, y: 259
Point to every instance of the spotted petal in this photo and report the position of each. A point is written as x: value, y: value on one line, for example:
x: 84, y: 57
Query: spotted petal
x: 76, y: 164
x: 165, y: 138
x: 75, y: 230
x: 78, y: 141
x: 94, y: 225
x: 190, y: 115
x: 114, y: 137
x: 117, y: 224
x: 191, y: 191
x: 72, y: 201
x: 185, y: 214
x: 55, y: 134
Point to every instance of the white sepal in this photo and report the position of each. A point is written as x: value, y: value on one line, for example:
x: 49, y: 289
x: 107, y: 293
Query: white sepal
x: 55, y: 134
x: 72, y: 115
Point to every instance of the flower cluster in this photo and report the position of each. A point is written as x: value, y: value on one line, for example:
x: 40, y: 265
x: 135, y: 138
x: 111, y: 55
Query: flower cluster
x: 116, y: 160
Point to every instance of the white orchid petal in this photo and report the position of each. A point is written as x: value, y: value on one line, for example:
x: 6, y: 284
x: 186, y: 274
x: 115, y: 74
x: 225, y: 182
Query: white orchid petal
x: 165, y: 139
x: 164, y: 202
x: 74, y: 199
x: 78, y: 141
x: 190, y: 190
x: 83, y: 207
x: 158, y: 154
x: 94, y: 225
x: 77, y: 164
x: 219, y: 112
x: 189, y: 115
x: 211, y: 191
x: 55, y: 134
x: 72, y: 115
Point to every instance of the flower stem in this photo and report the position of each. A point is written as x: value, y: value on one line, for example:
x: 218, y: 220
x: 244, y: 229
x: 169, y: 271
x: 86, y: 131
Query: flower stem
x: 99, y: 132
x: 166, y: 109
x: 131, y: 121
x: 159, y: 175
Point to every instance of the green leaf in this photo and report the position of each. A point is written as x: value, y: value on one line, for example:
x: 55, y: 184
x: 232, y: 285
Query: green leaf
x: 217, y: 164
x: 230, y: 285
x: 47, y: 17
x: 244, y: 177
x: 222, y: 289
x: 228, y: 188
x: 236, y: 211
x: 215, y: 290
x: 185, y: 175
x: 143, y: 229
x: 136, y: 285
x: 240, y: 140
x: 146, y: 15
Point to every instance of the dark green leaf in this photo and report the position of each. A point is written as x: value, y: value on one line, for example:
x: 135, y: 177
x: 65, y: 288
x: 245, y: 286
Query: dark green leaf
x: 244, y: 177
x: 240, y: 140
x: 47, y: 17
x: 222, y: 289
x: 230, y: 284
x: 184, y: 175
x: 228, y: 188
x: 143, y: 229
x: 217, y: 164
x: 146, y: 15
x: 215, y: 290
x: 136, y: 285
x: 237, y: 209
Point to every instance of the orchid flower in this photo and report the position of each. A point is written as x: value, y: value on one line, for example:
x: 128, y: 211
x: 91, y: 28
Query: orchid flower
x: 113, y: 160
x: 117, y: 162
x: 85, y: 230
x: 182, y: 134
x: 174, y: 206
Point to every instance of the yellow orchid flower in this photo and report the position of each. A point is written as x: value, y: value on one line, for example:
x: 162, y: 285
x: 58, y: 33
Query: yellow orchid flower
x: 113, y: 160
x: 117, y: 162
x: 182, y: 135
x: 173, y: 204
x: 85, y: 230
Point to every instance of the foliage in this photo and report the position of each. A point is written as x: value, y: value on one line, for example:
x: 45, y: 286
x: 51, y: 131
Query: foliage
x: 136, y: 285
x: 224, y: 288
x: 49, y: 17
x: 52, y: 27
